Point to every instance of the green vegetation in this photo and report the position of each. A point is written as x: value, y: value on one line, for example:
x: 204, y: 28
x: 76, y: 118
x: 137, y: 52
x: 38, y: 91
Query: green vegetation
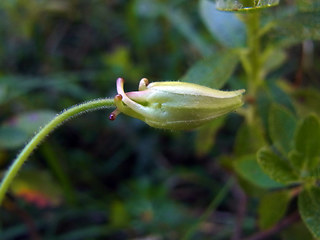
x: 252, y: 174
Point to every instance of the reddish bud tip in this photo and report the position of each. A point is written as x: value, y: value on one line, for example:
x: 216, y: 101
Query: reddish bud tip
x: 118, y: 97
x: 112, y: 117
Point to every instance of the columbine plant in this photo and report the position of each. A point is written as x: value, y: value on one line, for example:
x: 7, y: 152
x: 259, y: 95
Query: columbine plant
x: 166, y: 105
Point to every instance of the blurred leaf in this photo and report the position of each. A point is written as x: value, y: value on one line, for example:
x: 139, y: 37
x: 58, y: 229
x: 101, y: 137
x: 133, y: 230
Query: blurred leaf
x: 297, y: 231
x: 150, y: 208
x: 214, y: 71
x: 31, y: 122
x: 224, y: 26
x: 16, y: 131
x: 272, y: 59
x: 183, y: 24
x: 205, y: 136
x: 249, y: 139
x: 37, y: 187
x: 248, y: 168
x: 294, y: 27
x: 121, y: 63
x: 119, y: 215
x: 308, y: 100
x: 280, y: 96
x: 282, y: 126
x: 11, y: 137
x: 147, y: 8
x: 307, y: 142
x: 297, y: 160
x: 272, y: 208
x: 14, y: 86
x: 309, y: 208
x: 269, y: 94
x: 277, y: 168
x: 308, y: 5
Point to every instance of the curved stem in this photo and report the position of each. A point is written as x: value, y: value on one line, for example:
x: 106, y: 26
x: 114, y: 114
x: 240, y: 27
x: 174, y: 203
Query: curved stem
x: 43, y: 133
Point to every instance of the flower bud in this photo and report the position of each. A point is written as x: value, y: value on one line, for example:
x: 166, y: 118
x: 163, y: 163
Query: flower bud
x: 175, y: 105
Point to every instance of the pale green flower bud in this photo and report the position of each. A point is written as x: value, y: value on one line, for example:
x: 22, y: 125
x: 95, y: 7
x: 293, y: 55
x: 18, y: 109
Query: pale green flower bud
x: 175, y: 105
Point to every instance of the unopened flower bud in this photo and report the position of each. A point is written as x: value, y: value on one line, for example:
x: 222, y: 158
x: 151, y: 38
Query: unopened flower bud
x: 175, y: 105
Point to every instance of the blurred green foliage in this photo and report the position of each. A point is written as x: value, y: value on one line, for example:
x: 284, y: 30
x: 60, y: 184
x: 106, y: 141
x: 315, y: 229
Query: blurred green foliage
x: 125, y: 180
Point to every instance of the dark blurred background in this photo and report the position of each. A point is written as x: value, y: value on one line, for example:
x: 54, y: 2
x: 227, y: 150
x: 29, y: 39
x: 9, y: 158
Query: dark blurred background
x: 92, y: 178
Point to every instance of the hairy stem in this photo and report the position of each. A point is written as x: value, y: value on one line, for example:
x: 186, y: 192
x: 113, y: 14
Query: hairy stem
x: 43, y: 133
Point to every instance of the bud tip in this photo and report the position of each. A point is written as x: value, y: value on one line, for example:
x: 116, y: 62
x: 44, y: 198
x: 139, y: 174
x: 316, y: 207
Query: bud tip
x: 112, y: 117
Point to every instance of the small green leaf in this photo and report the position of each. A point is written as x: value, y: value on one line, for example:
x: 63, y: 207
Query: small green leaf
x: 277, y: 168
x: 307, y: 141
x: 214, y: 71
x: 272, y: 208
x: 296, y: 159
x: 248, y: 134
x: 225, y: 27
x: 205, y: 136
x: 282, y: 125
x: 248, y: 168
x: 309, y: 207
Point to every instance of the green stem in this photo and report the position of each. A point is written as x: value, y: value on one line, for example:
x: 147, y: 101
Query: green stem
x: 43, y: 133
x: 252, y: 61
x: 253, y: 25
x: 213, y: 205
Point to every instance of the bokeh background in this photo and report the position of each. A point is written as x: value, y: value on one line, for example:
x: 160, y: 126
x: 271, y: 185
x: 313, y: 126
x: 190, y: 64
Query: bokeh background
x: 96, y: 179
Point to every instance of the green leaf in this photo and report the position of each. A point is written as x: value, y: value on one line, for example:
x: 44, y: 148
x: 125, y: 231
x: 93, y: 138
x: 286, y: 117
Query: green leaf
x: 248, y: 168
x: 16, y: 131
x: 213, y: 71
x: 205, y: 136
x: 11, y: 138
x: 272, y: 59
x: 225, y: 27
x: 272, y: 208
x: 183, y: 24
x: 296, y: 159
x: 279, y: 95
x: 248, y: 134
x: 298, y: 26
x: 296, y: 231
x: 282, y: 126
x: 119, y: 215
x: 31, y: 122
x: 307, y: 142
x: 275, y: 167
x: 269, y: 94
x: 309, y: 207
x: 308, y: 5
x: 308, y: 100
